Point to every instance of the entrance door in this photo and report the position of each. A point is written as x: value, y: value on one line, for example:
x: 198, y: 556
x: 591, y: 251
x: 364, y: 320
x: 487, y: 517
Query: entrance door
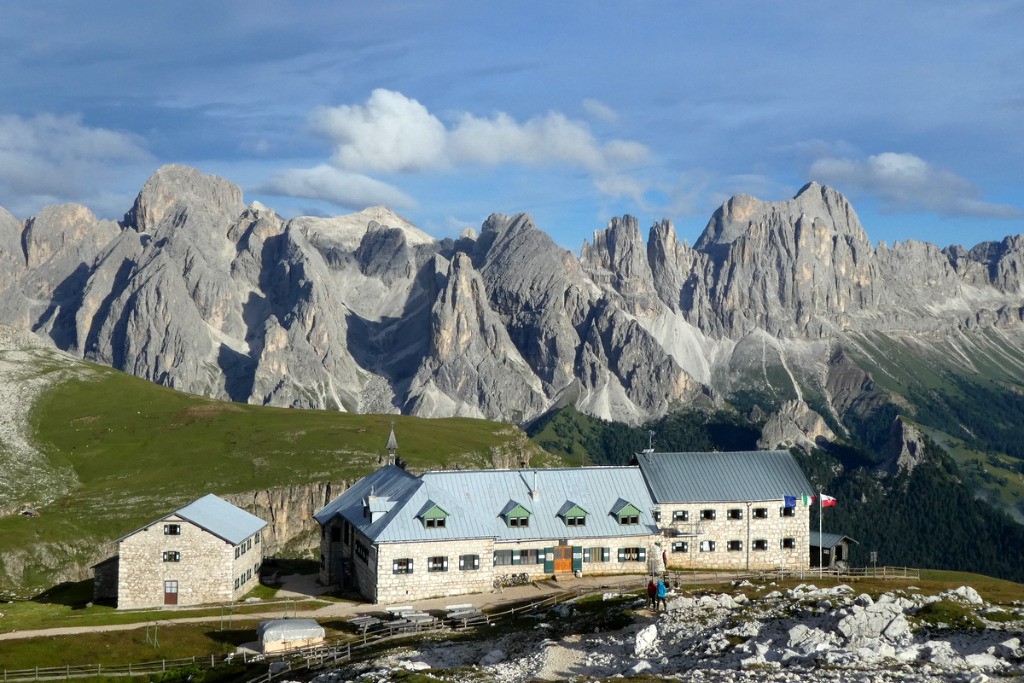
x: 170, y: 592
x: 563, y: 559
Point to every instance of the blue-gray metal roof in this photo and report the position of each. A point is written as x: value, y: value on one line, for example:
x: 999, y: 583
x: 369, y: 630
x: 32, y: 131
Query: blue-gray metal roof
x: 221, y: 518
x: 827, y: 540
x: 216, y: 515
x: 736, y: 476
x: 474, y: 501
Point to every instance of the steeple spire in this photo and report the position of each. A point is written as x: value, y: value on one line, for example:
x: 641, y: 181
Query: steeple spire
x: 392, y: 443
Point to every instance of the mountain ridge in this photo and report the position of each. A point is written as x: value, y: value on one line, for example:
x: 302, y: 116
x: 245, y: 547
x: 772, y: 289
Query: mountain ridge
x: 198, y: 291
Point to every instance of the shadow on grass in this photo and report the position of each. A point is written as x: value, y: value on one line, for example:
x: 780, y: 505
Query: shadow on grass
x: 233, y: 637
x: 73, y: 594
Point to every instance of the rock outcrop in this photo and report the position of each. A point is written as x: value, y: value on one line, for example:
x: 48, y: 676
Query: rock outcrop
x: 776, y: 302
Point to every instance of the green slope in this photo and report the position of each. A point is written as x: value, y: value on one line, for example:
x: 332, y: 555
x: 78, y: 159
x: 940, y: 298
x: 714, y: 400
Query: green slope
x: 138, y: 450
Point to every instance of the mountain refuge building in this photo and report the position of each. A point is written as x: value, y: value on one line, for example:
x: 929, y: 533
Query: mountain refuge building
x: 208, y: 551
x: 728, y: 510
x: 394, y: 536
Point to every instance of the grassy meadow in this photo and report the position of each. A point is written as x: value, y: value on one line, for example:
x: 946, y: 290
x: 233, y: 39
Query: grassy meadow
x: 138, y: 450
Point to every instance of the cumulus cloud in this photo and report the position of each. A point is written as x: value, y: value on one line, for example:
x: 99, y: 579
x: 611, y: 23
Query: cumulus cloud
x: 905, y: 182
x: 394, y: 134
x: 49, y: 159
x: 344, y: 188
x: 389, y: 133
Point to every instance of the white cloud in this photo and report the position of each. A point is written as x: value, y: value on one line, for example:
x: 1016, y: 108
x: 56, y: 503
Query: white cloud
x: 905, y: 182
x: 49, y: 159
x: 599, y: 110
x: 344, y: 188
x: 395, y: 133
x: 391, y: 132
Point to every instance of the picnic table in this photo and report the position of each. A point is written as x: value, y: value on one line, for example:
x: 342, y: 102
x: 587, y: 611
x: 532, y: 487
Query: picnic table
x: 465, y: 615
x: 364, y: 623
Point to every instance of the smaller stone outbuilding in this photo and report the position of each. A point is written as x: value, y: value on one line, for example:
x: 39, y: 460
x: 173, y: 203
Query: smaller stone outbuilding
x: 208, y: 551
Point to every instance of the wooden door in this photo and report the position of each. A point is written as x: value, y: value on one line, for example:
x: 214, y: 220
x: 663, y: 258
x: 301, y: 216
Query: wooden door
x: 170, y: 592
x: 563, y: 559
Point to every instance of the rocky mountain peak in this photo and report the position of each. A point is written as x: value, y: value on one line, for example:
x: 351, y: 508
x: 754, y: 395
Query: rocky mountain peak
x: 813, y: 204
x: 175, y: 185
x: 617, y: 261
x: 67, y: 226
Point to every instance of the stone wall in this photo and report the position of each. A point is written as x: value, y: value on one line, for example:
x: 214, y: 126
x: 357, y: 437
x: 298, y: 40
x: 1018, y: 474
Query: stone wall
x: 722, y: 530
x: 104, y: 584
x: 205, y: 569
x: 436, y: 580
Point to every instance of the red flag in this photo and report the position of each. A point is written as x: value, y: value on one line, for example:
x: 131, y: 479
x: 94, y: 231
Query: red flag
x: 827, y: 501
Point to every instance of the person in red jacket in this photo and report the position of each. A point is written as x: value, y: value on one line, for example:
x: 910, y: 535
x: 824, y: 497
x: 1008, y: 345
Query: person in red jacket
x: 652, y: 592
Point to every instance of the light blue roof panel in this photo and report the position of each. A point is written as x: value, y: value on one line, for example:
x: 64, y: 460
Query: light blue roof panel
x: 221, y: 518
x: 723, y: 477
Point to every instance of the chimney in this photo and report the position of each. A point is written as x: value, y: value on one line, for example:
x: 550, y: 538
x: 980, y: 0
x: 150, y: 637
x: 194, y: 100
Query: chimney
x: 535, y: 493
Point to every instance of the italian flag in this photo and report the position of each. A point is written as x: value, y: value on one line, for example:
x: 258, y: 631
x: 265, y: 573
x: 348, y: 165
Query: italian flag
x: 806, y: 500
x: 827, y: 501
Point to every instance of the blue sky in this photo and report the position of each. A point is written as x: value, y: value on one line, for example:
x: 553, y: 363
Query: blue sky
x: 574, y: 112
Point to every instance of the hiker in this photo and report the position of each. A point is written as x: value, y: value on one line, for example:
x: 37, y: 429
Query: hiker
x: 662, y: 592
x: 652, y: 591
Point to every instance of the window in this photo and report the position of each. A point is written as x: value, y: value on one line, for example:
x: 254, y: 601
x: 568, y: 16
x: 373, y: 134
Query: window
x: 761, y: 544
x: 787, y: 512
x: 437, y: 563
x: 434, y: 522
x: 789, y: 543
x: 529, y: 556
x: 734, y: 513
x: 469, y: 562
x: 402, y: 565
x: 519, y: 521
x: 237, y: 584
x: 657, y: 515
x: 629, y: 519
x: 680, y: 547
x: 576, y: 521
x: 681, y: 516
x: 335, y: 534
x: 632, y: 555
x: 362, y: 552
x: 256, y: 538
x: 760, y: 513
x: 707, y: 546
x: 734, y: 545
x: 248, y: 544
x: 172, y: 530
x: 597, y: 554
x: 707, y: 515
x: 172, y: 556
x: 502, y: 557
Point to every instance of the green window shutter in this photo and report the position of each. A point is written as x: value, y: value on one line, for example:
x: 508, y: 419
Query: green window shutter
x: 577, y: 558
x: 622, y: 554
x: 549, y: 560
x: 516, y: 557
x: 586, y: 554
x: 606, y: 554
x: 643, y: 554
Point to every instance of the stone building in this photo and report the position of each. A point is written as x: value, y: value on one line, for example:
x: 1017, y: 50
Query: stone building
x: 394, y: 536
x: 208, y: 551
x: 729, y: 510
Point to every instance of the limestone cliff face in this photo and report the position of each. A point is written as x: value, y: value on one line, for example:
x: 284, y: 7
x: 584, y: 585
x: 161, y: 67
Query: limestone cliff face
x: 198, y: 291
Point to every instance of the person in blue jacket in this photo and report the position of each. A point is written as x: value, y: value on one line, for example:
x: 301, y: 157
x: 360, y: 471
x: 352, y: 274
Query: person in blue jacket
x: 662, y: 593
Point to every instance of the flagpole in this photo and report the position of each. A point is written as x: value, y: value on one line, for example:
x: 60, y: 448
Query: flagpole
x: 820, y: 542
